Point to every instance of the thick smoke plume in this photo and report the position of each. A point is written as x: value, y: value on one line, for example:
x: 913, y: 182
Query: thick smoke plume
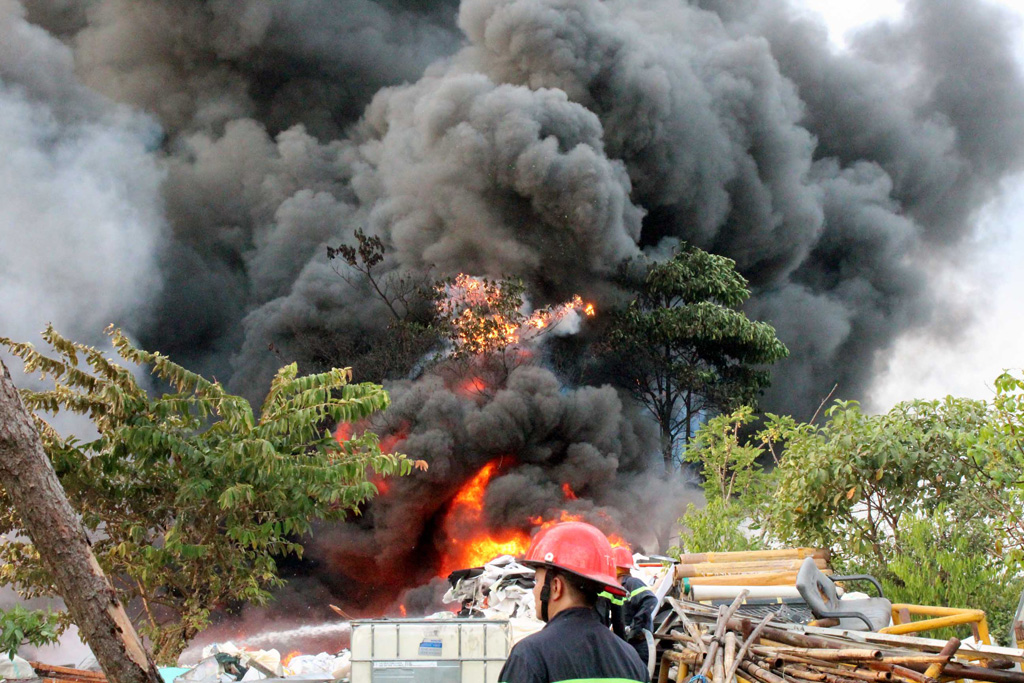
x: 546, y: 139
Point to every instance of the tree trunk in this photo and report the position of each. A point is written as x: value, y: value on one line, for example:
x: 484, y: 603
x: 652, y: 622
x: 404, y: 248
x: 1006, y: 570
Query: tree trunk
x: 28, y: 477
x: 666, y: 448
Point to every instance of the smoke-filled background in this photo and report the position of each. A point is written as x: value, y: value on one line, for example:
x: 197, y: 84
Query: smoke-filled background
x: 179, y: 167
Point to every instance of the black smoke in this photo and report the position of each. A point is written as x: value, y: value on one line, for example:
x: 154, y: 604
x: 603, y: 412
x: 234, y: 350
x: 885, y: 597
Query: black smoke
x: 547, y: 139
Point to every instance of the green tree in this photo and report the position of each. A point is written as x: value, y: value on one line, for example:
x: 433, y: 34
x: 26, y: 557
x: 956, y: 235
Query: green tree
x: 683, y: 348
x: 188, y: 495
x: 916, y: 496
x: 947, y: 560
x: 19, y: 626
x: 848, y: 483
x: 999, y: 456
x: 734, y: 485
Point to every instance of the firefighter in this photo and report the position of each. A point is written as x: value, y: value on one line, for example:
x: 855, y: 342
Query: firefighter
x: 573, y: 561
x: 637, y: 607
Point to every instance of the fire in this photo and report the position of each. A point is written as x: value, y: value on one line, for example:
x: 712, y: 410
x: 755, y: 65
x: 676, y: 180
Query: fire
x: 344, y: 432
x: 472, y: 544
x: 473, y: 385
x: 389, y: 443
x: 401, y: 608
x: 289, y: 657
x: 474, y: 308
x: 381, y: 483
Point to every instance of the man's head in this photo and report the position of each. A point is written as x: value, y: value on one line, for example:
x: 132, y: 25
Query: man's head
x: 623, y: 561
x: 573, y: 562
x: 564, y: 590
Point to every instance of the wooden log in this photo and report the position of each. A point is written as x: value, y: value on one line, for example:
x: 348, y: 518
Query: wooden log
x: 718, y: 668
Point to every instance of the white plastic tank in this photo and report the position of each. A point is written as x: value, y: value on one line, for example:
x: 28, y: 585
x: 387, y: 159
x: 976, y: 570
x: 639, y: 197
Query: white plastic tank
x: 429, y: 651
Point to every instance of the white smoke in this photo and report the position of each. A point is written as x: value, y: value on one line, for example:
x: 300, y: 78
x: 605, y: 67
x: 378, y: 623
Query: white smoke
x: 81, y: 219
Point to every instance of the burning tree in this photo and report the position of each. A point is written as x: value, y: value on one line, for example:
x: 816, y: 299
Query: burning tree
x: 188, y: 496
x: 683, y: 348
x: 486, y: 317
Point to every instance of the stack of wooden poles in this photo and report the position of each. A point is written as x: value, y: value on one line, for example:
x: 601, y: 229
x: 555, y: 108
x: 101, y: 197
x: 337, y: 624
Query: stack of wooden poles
x: 717, y: 646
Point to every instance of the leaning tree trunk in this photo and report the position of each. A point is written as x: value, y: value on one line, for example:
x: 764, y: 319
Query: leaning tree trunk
x: 28, y: 477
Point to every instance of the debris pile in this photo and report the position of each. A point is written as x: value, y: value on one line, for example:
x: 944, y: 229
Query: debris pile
x: 227, y: 663
x: 501, y: 589
x: 703, y: 643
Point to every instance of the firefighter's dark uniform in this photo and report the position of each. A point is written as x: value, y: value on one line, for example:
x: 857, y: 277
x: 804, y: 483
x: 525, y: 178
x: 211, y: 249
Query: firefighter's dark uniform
x: 573, y: 646
x: 609, y: 608
x: 638, y: 614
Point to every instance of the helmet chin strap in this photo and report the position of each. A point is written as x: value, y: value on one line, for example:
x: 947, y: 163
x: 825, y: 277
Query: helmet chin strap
x: 545, y: 596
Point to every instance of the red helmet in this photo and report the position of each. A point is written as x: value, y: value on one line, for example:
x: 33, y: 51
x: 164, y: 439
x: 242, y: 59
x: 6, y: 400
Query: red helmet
x: 577, y: 548
x: 623, y: 557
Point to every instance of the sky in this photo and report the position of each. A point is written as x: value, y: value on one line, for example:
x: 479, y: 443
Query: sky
x: 933, y: 364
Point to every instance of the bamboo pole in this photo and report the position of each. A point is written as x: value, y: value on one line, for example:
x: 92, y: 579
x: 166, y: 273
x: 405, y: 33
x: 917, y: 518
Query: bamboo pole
x: 747, y: 642
x: 760, y: 674
x: 715, y: 569
x: 945, y: 654
x: 730, y: 656
x: 901, y: 673
x: 724, y: 615
x: 755, y: 555
x: 825, y: 654
x: 685, y: 657
x: 785, y: 578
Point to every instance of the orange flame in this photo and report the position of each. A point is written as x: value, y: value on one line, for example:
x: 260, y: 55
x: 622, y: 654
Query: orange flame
x: 343, y: 432
x: 472, y: 544
x: 389, y: 443
x: 289, y: 657
x: 473, y: 385
x: 401, y: 608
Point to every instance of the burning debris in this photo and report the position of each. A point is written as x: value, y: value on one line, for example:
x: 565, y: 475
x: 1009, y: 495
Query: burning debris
x: 486, y: 317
